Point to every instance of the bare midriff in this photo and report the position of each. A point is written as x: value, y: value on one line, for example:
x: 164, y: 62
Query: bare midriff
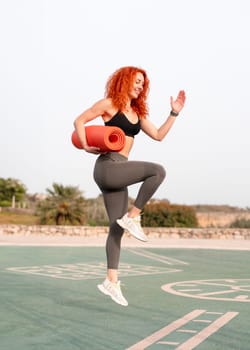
x: 128, y: 146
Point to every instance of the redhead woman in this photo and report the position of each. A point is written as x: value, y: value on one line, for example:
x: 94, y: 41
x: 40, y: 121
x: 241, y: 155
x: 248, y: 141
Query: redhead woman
x: 125, y: 106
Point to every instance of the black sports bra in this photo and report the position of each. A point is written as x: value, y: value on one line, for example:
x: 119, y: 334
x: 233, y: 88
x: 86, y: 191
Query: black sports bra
x: 120, y: 120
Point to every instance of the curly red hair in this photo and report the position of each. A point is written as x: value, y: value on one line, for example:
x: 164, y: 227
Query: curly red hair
x: 118, y: 85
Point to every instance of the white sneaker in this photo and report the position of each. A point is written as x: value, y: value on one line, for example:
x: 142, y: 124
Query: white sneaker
x: 133, y: 225
x: 114, y: 291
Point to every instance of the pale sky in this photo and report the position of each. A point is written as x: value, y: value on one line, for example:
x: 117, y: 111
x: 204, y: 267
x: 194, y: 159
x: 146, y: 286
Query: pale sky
x: 56, y: 56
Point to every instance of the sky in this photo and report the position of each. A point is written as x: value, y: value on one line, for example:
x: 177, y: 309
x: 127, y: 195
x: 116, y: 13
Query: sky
x: 56, y: 56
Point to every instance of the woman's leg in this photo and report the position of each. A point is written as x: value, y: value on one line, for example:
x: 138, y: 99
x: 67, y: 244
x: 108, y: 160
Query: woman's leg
x: 113, y: 173
x: 117, y: 175
x: 152, y: 175
x: 116, y: 203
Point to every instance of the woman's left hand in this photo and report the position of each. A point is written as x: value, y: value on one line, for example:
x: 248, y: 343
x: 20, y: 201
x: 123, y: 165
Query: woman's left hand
x: 178, y: 104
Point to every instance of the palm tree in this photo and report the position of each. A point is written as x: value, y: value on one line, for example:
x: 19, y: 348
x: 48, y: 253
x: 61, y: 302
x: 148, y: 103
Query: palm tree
x: 64, y: 205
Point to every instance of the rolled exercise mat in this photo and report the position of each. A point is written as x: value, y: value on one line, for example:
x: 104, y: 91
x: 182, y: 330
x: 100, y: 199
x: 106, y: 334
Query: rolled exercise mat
x: 107, y: 138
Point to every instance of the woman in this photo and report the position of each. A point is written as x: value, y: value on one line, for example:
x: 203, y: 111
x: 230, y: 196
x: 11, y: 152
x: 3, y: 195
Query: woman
x: 125, y: 106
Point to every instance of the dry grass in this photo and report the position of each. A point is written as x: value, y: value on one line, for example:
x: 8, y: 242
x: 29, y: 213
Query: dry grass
x: 17, y: 218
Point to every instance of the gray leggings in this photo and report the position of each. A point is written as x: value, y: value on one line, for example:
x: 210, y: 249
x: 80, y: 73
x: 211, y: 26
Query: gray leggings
x: 113, y: 173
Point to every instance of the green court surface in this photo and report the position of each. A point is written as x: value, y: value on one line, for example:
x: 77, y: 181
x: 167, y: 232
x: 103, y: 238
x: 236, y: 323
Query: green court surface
x: 178, y: 299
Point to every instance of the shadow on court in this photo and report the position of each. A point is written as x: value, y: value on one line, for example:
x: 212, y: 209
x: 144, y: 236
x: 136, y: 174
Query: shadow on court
x: 178, y: 299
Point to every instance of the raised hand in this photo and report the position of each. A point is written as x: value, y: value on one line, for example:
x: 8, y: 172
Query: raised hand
x: 178, y: 104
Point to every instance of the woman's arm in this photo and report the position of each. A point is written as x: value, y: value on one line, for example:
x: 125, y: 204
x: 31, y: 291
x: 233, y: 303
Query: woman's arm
x: 158, y: 134
x: 98, y: 109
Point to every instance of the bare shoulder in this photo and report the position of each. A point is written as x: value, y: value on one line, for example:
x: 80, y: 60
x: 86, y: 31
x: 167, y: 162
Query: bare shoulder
x: 103, y: 106
x: 108, y: 108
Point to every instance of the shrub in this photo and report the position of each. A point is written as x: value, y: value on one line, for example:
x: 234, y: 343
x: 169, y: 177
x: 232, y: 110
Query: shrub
x: 163, y: 214
x: 240, y: 223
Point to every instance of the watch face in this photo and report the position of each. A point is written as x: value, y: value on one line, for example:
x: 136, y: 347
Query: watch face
x: 215, y: 289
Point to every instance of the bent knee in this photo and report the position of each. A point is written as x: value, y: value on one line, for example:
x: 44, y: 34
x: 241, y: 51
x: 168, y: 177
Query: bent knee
x: 161, y: 172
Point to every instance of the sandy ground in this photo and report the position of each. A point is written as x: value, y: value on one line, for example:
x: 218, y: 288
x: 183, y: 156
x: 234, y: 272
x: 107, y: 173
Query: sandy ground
x: 76, y: 241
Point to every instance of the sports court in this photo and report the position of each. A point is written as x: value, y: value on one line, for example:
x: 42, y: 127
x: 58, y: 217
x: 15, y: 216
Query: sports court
x: 182, y: 295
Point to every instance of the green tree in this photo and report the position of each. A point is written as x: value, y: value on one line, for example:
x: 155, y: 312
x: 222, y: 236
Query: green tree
x: 11, y: 189
x: 65, y: 205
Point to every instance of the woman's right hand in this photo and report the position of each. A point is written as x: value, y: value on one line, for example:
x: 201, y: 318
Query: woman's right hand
x: 92, y: 149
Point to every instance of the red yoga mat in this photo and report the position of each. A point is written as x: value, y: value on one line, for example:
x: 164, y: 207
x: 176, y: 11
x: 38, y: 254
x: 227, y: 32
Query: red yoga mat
x: 107, y: 138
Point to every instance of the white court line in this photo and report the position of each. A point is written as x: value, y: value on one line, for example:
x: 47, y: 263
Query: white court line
x: 206, y: 332
x: 153, y: 338
x: 168, y: 343
x: 189, y: 290
x: 242, y: 297
x: 157, y: 257
x: 192, y: 342
x: 217, y: 293
x: 227, y: 294
x: 186, y: 331
x: 88, y: 271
